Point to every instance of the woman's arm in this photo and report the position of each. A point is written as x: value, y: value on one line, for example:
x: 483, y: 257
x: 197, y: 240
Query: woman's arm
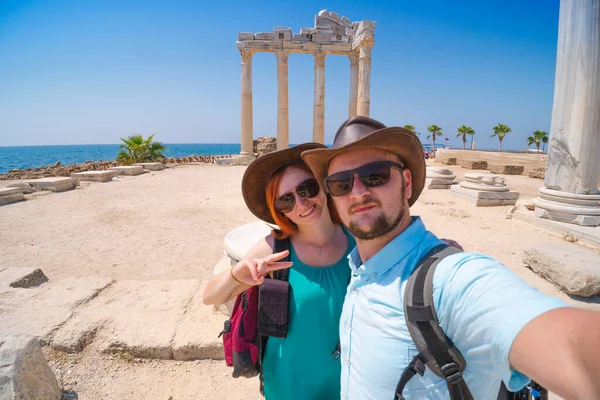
x: 250, y: 271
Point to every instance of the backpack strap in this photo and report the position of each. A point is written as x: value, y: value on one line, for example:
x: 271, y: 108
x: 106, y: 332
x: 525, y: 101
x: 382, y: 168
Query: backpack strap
x: 282, y: 274
x: 436, y: 350
x: 279, y: 246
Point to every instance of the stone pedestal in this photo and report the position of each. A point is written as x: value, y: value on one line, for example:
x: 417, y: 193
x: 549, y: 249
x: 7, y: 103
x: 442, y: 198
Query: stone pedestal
x: 319, y: 102
x: 485, y: 190
x: 439, y: 178
x: 570, y: 192
x: 237, y: 243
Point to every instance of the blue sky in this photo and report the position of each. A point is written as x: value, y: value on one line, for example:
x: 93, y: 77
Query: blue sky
x: 88, y: 72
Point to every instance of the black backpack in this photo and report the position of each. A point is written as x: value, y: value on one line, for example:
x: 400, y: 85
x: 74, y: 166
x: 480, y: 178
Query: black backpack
x: 436, y: 350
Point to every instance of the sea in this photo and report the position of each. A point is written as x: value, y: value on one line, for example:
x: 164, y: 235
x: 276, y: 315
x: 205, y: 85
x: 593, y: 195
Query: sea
x: 36, y: 156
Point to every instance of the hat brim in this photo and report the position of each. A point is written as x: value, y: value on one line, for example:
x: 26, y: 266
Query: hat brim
x: 257, y: 174
x: 396, y: 140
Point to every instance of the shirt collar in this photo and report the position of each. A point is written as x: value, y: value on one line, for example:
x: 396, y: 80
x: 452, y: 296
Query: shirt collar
x: 393, y: 252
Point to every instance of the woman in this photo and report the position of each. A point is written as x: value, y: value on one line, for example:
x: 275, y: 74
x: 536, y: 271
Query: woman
x: 280, y: 189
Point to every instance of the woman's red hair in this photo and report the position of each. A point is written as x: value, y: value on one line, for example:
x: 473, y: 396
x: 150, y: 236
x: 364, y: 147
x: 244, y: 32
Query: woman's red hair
x: 286, y: 226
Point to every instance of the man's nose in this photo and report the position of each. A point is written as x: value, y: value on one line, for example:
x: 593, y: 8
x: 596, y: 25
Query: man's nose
x: 358, y: 188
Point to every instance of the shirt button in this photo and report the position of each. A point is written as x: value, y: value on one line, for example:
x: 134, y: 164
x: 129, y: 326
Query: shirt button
x: 374, y: 276
x: 346, y: 362
x: 344, y: 395
x: 347, y: 325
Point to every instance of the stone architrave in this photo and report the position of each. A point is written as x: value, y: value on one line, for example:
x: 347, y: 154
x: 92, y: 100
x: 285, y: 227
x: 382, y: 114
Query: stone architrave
x: 24, y: 372
x: 130, y: 170
x: 247, y: 134
x: 439, y: 178
x: 353, y: 106
x: 94, y: 176
x: 364, y: 79
x: 570, y: 193
x: 319, y: 101
x: 485, y: 190
x: 54, y: 184
x: 283, y: 124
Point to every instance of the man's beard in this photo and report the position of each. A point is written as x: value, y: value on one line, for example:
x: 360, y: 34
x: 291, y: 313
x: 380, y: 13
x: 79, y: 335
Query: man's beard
x: 382, y: 225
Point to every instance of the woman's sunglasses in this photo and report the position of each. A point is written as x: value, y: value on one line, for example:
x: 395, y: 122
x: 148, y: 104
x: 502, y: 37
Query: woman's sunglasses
x: 306, y: 190
x: 373, y: 174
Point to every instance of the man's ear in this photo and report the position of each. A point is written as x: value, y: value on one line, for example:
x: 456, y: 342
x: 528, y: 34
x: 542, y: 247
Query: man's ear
x: 407, y: 183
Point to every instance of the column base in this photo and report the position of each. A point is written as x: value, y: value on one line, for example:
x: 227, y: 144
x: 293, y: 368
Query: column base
x: 578, y: 209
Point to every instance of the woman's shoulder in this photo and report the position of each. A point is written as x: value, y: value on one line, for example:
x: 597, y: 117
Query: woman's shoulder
x: 262, y: 248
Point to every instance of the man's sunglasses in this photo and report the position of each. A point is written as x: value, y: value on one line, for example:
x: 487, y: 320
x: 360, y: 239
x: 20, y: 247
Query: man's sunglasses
x: 307, y: 190
x: 373, y: 174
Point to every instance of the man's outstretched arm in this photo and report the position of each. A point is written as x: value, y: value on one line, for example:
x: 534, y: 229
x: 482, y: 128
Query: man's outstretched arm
x: 560, y: 349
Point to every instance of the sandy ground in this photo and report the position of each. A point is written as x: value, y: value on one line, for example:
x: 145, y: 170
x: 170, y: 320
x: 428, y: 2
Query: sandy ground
x: 170, y: 225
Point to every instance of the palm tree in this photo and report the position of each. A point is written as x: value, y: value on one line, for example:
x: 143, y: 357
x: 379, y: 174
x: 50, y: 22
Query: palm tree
x: 463, y: 131
x: 411, y: 128
x: 135, y: 149
x: 501, y: 130
x: 537, y: 138
x: 435, y: 131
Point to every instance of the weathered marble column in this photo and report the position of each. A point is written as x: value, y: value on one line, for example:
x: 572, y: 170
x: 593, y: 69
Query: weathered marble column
x: 364, y: 79
x: 570, y: 192
x: 283, y: 124
x: 319, y: 102
x: 247, y: 135
x: 352, y: 108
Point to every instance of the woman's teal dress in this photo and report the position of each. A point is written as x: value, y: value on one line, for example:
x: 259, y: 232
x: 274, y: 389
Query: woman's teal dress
x: 300, y: 366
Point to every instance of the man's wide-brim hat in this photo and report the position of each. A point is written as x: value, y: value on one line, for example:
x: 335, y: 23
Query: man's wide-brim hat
x: 365, y: 133
x: 256, y: 177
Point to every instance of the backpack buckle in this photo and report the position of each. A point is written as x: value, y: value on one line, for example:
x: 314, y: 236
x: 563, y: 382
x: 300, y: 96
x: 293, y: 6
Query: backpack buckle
x: 451, y: 373
x: 336, y: 354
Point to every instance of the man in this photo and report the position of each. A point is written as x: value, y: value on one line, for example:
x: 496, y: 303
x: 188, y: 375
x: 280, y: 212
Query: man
x: 505, y: 329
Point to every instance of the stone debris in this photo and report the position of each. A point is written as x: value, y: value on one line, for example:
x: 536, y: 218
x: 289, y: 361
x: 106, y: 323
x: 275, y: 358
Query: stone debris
x: 474, y: 164
x: 25, y: 187
x: 574, y: 269
x: 24, y: 372
x: 485, y: 190
x: 151, y: 166
x: 22, y: 277
x: 506, y: 169
x: 10, y: 195
x: 94, y: 176
x: 53, y: 184
x: 449, y: 161
x: 130, y: 170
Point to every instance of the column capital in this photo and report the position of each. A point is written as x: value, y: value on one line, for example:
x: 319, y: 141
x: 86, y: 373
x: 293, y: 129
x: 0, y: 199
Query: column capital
x: 353, y: 59
x: 282, y: 56
x: 365, y: 48
x: 247, y: 55
x: 319, y: 59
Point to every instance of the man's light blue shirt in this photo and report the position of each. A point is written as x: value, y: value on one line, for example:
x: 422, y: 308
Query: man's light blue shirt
x: 481, y: 305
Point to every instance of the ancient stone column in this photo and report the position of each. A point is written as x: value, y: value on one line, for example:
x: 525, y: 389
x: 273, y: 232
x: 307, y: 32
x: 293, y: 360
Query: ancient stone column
x: 319, y: 102
x: 283, y: 125
x: 247, y: 135
x: 364, y: 79
x: 570, y: 192
x: 352, y: 108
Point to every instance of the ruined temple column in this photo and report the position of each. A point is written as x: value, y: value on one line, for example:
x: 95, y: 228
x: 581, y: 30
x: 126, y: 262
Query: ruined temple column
x: 352, y: 108
x: 247, y: 135
x: 283, y: 125
x: 570, y: 192
x: 319, y: 102
x: 364, y: 79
